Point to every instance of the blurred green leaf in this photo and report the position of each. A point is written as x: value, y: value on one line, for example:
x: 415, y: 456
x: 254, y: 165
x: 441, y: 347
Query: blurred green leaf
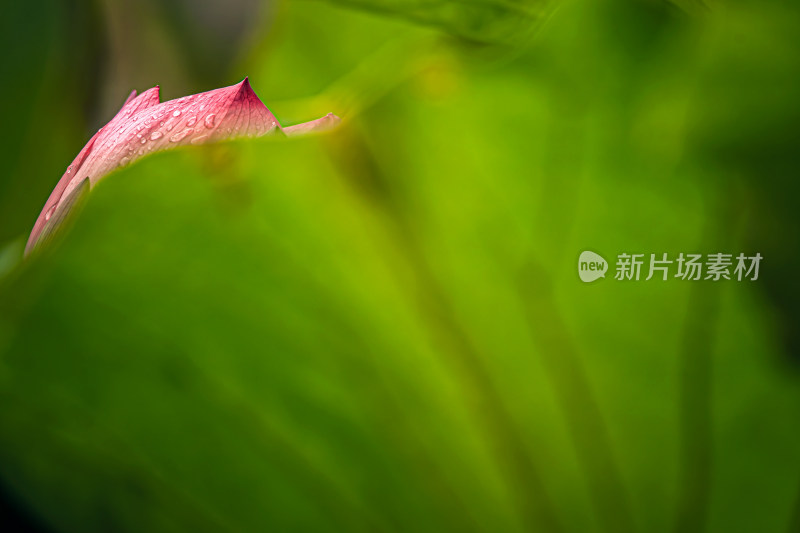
x: 48, y: 76
x: 483, y: 21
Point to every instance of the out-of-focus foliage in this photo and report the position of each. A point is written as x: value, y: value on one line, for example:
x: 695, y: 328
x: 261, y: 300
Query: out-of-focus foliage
x: 44, y: 91
x: 485, y: 21
x: 382, y: 328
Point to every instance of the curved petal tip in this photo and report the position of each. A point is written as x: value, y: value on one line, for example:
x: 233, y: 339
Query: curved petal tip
x: 326, y: 123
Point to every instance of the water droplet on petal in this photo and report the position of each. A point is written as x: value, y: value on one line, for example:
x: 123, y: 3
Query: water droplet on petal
x: 229, y: 130
x: 50, y: 212
x: 144, y: 140
x: 209, y: 121
x: 156, y: 135
x: 177, y: 113
x: 161, y: 123
x: 198, y: 140
x: 191, y: 121
x: 124, y: 161
x: 69, y: 169
x: 180, y: 135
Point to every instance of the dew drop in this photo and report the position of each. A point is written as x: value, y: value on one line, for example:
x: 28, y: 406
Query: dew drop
x: 50, y: 212
x: 124, y: 161
x: 180, y: 135
x: 139, y: 135
x: 161, y: 123
x: 198, y: 140
x: 191, y: 122
x: 144, y: 140
x: 156, y: 135
x: 176, y: 113
x: 69, y: 169
x: 209, y: 121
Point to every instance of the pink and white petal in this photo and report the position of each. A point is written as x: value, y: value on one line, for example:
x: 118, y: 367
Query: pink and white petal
x: 132, y: 105
x: 144, y: 125
x: 71, y: 177
x: 224, y: 113
x: 328, y: 122
x: 53, y: 200
x: 136, y: 102
x: 129, y: 98
x: 246, y: 115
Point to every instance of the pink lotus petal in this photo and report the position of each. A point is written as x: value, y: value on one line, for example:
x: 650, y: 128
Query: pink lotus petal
x: 144, y: 125
x: 328, y: 122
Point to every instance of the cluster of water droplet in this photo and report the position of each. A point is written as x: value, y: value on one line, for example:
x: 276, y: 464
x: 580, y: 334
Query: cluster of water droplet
x: 165, y: 127
x: 160, y: 123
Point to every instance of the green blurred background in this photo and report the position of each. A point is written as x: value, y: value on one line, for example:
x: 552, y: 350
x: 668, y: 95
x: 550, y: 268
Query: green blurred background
x: 381, y: 328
